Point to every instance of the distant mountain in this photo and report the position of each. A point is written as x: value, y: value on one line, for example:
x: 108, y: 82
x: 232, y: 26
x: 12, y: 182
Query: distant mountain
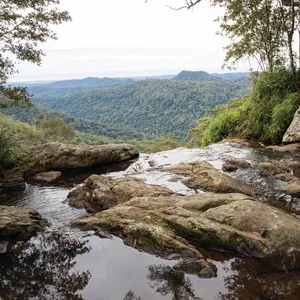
x: 66, y: 87
x: 152, y: 107
x: 233, y: 76
x: 215, y: 77
x: 197, y: 75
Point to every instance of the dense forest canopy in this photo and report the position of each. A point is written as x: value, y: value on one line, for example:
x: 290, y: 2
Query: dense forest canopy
x: 151, y: 107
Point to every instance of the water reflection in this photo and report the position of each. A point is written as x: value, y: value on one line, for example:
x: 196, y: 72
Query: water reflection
x: 271, y: 278
x: 131, y: 296
x: 41, y: 269
x: 165, y: 280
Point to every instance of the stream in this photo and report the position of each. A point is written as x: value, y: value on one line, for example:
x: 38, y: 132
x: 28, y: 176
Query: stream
x: 66, y: 263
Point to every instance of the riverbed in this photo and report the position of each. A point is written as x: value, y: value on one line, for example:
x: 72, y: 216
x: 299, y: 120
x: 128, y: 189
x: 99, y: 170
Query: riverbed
x: 66, y: 263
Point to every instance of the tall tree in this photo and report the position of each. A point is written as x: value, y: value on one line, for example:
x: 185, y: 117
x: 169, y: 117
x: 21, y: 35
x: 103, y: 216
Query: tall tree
x: 24, y: 24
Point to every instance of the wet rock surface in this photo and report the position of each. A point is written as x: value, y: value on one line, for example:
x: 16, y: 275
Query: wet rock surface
x: 60, y: 157
x: 293, y: 133
x: 11, y: 179
x: 99, y: 193
x: 19, y: 223
x: 204, y: 176
x: 232, y: 222
x: 45, y: 177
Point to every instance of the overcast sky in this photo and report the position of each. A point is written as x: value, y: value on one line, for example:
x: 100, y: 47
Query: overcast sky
x: 130, y: 38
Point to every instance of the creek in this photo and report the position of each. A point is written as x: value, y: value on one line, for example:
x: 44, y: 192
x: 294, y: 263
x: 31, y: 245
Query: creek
x: 66, y: 263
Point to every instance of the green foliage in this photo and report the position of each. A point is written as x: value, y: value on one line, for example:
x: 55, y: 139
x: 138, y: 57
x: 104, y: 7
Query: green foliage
x: 23, y: 26
x: 163, y: 143
x: 195, y: 135
x: 9, y: 148
x: 92, y: 139
x: 150, y: 107
x: 56, y: 130
x: 264, y: 115
x: 227, y: 119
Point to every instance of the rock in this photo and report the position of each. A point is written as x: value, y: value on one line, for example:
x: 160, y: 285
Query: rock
x: 230, y: 222
x: 11, y: 179
x: 285, y: 169
x: 98, y: 193
x: 293, y: 149
x: 58, y: 156
x: 227, y: 167
x: 292, y: 189
x: 240, y: 163
x: 199, y: 267
x: 45, y: 177
x: 19, y: 223
x: 293, y: 133
x: 206, y: 177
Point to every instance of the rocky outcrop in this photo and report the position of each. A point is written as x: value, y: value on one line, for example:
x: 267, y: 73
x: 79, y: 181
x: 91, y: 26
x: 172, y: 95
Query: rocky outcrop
x: 284, y: 170
x: 204, y: 176
x: 293, y: 133
x: 61, y: 157
x: 233, y: 164
x: 99, y: 193
x: 11, y: 179
x: 231, y: 222
x: 19, y: 223
x: 45, y: 177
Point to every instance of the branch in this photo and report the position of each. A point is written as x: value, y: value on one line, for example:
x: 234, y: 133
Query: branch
x: 189, y: 4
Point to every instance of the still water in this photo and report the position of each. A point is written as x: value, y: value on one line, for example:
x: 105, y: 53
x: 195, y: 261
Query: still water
x: 66, y: 263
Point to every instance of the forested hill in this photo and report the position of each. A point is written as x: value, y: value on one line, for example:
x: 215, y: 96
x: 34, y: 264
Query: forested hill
x: 152, y: 107
x: 65, y: 87
x: 216, y: 77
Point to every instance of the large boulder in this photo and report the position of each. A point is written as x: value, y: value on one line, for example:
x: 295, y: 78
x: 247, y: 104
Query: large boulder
x: 11, y: 179
x: 293, y: 133
x: 99, y: 193
x: 19, y: 223
x: 60, y: 157
x: 230, y: 222
x: 204, y: 176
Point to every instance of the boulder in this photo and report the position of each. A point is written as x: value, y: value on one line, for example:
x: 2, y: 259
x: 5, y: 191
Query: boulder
x: 19, y: 223
x: 230, y: 222
x: 227, y: 167
x: 45, y: 177
x: 60, y: 157
x: 11, y: 179
x: 204, y: 176
x: 292, y: 135
x: 99, y: 193
x: 284, y: 170
x: 293, y: 188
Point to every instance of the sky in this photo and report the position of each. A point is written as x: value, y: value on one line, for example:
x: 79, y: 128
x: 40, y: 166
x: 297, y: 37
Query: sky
x: 127, y: 38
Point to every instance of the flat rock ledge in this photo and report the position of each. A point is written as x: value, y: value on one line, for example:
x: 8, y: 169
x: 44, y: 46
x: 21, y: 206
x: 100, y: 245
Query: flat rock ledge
x: 204, y: 176
x: 19, y: 223
x: 229, y: 222
x: 99, y: 193
x: 62, y: 157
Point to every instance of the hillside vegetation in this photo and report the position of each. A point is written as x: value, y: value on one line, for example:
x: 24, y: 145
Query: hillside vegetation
x: 151, y: 107
x: 264, y: 114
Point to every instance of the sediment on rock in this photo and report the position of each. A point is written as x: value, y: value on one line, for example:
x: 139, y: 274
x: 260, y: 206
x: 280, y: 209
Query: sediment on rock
x: 99, y: 193
x: 230, y: 222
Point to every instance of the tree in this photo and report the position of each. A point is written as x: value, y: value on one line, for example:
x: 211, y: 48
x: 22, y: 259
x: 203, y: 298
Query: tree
x: 23, y: 26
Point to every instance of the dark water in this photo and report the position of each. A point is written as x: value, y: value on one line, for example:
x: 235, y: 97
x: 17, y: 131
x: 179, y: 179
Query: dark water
x: 65, y: 263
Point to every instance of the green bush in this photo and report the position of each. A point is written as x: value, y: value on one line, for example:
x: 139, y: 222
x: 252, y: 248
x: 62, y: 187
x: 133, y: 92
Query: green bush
x: 9, y: 148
